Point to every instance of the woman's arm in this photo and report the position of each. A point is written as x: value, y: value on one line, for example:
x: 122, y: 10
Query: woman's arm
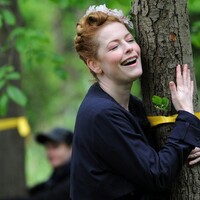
x: 185, y: 102
x: 121, y: 144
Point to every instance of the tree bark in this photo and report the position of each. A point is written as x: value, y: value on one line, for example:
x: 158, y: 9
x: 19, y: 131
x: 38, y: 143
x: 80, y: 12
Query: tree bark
x: 12, y: 151
x: 162, y: 31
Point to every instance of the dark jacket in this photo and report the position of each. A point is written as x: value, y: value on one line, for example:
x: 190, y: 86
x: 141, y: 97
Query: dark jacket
x: 112, y: 156
x: 56, y: 188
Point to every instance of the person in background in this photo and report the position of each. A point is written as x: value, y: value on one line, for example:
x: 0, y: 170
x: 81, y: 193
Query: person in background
x: 58, y: 144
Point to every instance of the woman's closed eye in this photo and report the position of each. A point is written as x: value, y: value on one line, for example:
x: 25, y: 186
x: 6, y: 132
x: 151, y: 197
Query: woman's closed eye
x: 131, y: 40
x: 113, y: 47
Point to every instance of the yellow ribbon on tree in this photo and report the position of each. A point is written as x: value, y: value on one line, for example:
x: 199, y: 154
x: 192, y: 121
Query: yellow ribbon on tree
x: 21, y: 123
x: 157, y: 120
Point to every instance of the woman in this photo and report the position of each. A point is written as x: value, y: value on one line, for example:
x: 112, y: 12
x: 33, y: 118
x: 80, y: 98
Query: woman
x: 112, y: 154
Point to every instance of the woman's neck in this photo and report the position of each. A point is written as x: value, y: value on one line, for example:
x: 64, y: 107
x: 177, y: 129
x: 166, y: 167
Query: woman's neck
x: 120, y: 92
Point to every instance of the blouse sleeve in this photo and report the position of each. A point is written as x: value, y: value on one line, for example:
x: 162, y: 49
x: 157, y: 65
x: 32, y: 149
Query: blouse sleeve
x: 126, y: 151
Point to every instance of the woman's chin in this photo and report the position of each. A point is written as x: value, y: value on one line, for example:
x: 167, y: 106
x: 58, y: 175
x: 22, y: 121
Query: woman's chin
x: 136, y: 75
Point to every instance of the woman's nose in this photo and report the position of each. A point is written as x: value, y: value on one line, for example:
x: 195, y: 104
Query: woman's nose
x: 128, y: 48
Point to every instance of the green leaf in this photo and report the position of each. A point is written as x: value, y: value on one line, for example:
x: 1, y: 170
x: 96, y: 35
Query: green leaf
x: 3, y: 104
x: 8, y: 68
x: 60, y: 72
x: 8, y: 17
x: 21, y: 44
x: 160, y: 103
x: 13, y: 76
x: 16, y: 95
x: 5, y: 69
x: 157, y: 100
x: 2, y: 72
x: 165, y: 102
x: 2, y: 83
x: 58, y: 59
x: 17, y: 32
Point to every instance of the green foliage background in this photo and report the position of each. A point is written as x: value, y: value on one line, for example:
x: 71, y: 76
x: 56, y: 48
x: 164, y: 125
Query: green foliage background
x: 54, y: 79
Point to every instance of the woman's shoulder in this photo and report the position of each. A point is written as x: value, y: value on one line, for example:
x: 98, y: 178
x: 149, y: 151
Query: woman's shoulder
x: 97, y: 101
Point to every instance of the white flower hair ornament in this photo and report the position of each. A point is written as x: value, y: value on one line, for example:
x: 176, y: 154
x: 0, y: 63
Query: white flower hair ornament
x: 116, y: 13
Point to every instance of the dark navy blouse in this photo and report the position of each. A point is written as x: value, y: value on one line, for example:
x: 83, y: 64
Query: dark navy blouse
x: 112, y: 155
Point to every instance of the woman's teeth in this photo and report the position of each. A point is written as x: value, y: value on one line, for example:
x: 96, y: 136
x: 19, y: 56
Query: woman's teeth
x: 129, y: 62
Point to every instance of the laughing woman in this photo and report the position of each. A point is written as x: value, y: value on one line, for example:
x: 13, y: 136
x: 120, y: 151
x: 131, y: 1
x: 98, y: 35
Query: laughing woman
x: 112, y: 155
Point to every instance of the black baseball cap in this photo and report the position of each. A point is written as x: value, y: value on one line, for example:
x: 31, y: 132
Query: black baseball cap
x: 56, y: 135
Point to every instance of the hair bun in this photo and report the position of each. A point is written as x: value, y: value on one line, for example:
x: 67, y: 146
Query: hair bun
x: 96, y: 19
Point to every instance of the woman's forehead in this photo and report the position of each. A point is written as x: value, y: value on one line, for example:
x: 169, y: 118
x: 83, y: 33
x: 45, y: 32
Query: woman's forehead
x: 111, y: 32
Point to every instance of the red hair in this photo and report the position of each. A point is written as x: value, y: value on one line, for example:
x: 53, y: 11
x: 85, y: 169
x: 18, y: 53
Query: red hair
x: 87, y: 28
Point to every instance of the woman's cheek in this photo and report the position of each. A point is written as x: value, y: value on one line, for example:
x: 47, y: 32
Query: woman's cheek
x: 137, y: 48
x: 116, y: 57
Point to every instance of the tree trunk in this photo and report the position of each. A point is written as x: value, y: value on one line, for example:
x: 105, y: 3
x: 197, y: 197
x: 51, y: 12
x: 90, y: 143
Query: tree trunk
x: 162, y: 31
x: 12, y: 152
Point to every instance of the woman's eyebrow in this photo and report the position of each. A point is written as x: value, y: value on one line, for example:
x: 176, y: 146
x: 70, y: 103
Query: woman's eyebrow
x: 116, y: 40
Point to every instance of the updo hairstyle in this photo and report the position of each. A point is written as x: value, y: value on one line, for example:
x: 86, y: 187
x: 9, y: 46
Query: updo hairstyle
x: 87, y: 28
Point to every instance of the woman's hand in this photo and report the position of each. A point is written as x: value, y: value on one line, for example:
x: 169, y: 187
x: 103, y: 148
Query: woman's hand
x: 194, y: 156
x: 182, y: 93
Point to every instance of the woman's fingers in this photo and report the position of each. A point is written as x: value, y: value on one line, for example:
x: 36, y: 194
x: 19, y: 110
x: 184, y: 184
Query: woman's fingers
x: 179, y: 78
x: 189, y: 78
x: 182, y: 91
x: 195, y: 150
x: 195, y: 161
x: 192, y: 88
x: 185, y: 74
x: 194, y: 156
x: 172, y: 86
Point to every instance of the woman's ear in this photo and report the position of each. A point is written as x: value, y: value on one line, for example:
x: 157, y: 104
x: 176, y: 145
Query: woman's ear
x: 94, y: 66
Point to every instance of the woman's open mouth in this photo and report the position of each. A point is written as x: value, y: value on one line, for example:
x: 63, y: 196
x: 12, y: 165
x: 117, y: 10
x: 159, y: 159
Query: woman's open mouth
x: 130, y: 61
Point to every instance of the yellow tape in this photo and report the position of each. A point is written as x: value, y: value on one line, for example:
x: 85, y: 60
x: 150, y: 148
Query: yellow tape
x: 20, y: 123
x: 156, y: 120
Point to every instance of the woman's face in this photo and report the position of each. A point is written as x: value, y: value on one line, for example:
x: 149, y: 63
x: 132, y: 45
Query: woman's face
x: 118, y: 54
